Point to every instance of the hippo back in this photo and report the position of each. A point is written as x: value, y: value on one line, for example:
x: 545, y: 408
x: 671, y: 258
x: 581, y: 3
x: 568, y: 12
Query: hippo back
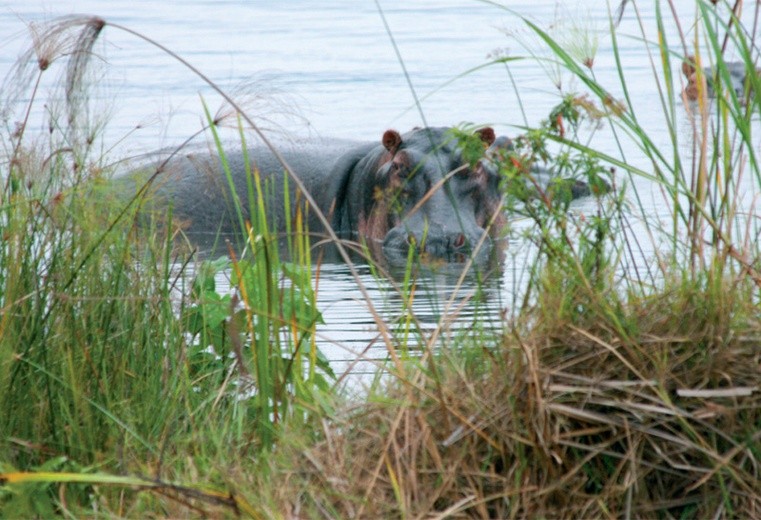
x: 198, y: 189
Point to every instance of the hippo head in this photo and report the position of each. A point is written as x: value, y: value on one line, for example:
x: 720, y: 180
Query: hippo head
x: 426, y: 190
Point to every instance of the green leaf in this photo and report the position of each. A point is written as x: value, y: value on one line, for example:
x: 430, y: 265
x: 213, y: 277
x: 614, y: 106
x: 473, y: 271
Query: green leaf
x: 204, y: 282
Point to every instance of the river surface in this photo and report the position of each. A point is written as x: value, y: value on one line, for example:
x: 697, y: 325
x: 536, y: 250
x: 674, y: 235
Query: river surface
x: 331, y: 69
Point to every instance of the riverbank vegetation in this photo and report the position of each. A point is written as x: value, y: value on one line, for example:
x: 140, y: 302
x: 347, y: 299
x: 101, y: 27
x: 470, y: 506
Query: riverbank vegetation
x: 622, y: 382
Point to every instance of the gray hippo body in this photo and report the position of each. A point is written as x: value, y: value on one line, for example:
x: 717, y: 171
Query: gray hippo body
x: 435, y: 191
x: 411, y: 190
x: 197, y: 187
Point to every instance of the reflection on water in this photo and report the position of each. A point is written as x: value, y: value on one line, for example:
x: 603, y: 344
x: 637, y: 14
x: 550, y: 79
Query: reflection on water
x: 425, y: 306
x: 432, y: 301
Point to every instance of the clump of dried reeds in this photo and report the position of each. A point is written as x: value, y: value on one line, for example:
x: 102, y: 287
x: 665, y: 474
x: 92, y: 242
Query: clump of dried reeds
x: 639, y: 416
x: 605, y: 397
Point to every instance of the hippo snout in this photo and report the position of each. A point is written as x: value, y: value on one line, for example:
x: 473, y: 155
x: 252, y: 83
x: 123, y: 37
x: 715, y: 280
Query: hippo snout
x: 434, y: 242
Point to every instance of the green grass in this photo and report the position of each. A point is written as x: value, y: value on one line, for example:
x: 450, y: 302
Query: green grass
x: 116, y: 358
x: 132, y: 386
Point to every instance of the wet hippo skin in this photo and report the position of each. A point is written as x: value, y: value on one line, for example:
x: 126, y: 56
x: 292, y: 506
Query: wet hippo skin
x: 414, y: 190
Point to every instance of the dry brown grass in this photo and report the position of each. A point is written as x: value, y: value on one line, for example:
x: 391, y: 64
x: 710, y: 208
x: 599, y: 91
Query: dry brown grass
x: 656, y: 413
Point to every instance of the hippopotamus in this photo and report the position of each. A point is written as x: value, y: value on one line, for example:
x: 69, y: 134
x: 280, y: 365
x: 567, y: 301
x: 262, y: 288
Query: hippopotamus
x: 412, y: 190
x: 738, y: 74
x: 419, y: 191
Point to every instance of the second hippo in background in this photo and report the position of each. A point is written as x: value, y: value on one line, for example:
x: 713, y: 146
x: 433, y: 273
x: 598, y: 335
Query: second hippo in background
x: 741, y: 78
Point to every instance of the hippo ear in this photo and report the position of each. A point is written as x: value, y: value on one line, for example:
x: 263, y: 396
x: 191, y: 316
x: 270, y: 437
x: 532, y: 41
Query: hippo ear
x: 487, y: 135
x: 688, y: 66
x: 391, y: 140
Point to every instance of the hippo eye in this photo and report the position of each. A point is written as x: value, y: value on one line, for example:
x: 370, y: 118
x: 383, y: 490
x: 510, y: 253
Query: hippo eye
x: 471, y: 183
x: 396, y: 169
x: 402, y: 171
x: 464, y: 173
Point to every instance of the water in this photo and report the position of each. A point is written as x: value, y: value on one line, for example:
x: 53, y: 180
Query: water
x: 329, y: 68
x: 332, y: 62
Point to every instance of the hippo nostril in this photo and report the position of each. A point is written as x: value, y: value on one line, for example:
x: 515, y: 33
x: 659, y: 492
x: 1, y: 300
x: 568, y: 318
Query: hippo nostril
x: 459, y: 241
